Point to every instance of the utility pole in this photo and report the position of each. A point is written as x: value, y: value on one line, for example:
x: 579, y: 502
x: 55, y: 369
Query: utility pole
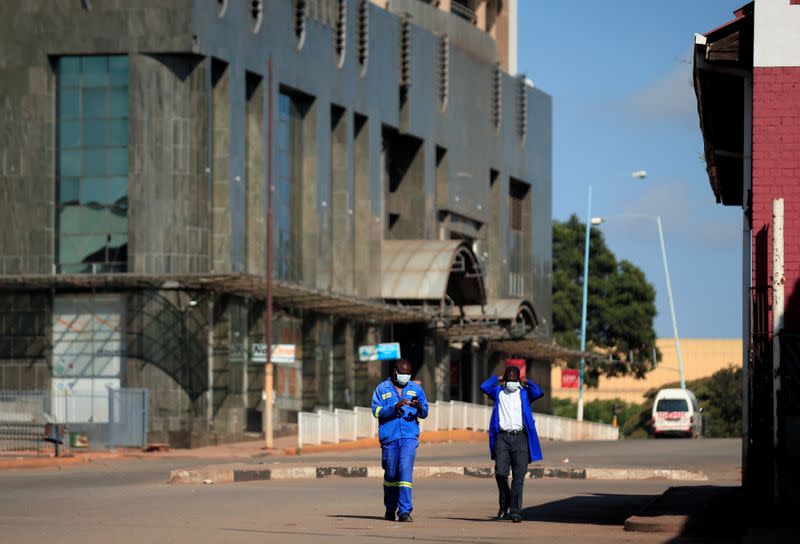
x: 268, y: 305
x: 583, y: 305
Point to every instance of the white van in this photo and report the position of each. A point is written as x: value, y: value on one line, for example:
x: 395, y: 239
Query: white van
x: 676, y: 411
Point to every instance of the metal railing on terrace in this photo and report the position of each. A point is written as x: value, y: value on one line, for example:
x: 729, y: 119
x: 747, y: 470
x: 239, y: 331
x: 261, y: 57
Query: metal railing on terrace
x: 323, y: 426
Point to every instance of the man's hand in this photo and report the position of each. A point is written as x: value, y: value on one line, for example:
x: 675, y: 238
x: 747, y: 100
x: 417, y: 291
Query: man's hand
x: 400, y: 403
x: 415, y: 404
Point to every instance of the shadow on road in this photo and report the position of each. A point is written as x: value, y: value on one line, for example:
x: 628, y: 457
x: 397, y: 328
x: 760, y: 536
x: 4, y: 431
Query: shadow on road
x: 593, y: 509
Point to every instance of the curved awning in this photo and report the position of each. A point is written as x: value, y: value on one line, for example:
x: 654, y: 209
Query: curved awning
x: 438, y: 271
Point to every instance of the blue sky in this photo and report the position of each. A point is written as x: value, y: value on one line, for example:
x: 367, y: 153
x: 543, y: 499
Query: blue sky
x: 619, y: 73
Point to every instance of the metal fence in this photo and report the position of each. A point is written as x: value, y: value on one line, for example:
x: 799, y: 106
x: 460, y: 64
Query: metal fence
x: 345, y: 425
x: 89, y: 420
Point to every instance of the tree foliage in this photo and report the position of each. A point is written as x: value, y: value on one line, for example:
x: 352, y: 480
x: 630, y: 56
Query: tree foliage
x: 620, y: 305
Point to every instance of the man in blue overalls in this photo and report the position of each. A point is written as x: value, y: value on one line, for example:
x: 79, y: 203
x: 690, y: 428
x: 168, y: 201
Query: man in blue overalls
x: 398, y: 403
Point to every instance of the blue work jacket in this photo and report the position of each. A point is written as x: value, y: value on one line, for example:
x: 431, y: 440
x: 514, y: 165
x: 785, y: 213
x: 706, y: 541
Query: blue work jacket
x: 528, y: 393
x: 394, y: 426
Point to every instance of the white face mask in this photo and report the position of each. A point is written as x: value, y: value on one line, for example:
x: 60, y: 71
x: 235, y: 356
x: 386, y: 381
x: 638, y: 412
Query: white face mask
x: 512, y: 386
x: 402, y: 379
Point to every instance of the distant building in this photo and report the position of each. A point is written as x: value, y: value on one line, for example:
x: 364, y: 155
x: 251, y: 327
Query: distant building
x: 701, y: 358
x: 747, y: 81
x: 411, y: 187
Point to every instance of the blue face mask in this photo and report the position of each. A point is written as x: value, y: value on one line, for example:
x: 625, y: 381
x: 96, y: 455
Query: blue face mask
x: 402, y: 379
x: 512, y: 386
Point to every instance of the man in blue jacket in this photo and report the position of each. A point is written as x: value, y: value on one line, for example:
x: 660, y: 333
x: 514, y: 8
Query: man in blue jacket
x: 513, y: 441
x: 398, y: 403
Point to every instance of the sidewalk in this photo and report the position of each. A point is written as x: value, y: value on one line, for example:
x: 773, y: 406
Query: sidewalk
x: 12, y: 462
x: 285, y: 446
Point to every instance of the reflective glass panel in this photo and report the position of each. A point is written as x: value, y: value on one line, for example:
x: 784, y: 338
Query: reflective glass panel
x: 94, y: 103
x: 68, y: 191
x: 69, y: 134
x: 93, y: 192
x: 92, y: 139
x: 93, y: 162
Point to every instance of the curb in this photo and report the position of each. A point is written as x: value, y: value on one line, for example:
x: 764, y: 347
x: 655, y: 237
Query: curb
x: 248, y: 473
x: 57, y: 462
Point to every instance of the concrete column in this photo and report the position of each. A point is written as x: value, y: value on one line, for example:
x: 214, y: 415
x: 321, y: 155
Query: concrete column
x: 441, y: 362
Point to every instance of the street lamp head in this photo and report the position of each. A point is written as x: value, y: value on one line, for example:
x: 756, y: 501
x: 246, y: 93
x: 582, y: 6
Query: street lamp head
x: 639, y: 174
x: 597, y: 220
x: 192, y: 303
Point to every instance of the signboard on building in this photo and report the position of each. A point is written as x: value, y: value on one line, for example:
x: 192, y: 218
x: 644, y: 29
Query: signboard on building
x: 569, y: 378
x: 282, y: 354
x: 379, y: 352
x: 520, y: 364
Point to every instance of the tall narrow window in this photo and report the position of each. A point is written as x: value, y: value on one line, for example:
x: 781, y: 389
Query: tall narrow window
x: 519, y: 237
x: 92, y: 164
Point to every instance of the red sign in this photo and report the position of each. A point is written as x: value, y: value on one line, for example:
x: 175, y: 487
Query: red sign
x: 569, y: 378
x: 520, y: 364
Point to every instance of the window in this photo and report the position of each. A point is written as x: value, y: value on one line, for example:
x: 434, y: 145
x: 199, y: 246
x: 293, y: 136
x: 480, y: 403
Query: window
x: 256, y: 14
x: 672, y: 405
x: 92, y: 164
x: 340, y: 34
x: 300, y: 15
x: 516, y: 207
x: 362, y: 43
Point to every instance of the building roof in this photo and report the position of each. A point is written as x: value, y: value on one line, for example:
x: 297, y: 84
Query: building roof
x: 723, y: 64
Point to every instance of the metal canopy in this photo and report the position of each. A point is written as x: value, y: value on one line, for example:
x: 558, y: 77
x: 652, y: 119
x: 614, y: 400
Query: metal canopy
x: 504, y: 309
x: 439, y: 271
x: 284, y: 293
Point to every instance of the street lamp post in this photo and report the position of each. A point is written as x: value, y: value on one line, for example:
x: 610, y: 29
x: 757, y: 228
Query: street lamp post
x: 671, y: 305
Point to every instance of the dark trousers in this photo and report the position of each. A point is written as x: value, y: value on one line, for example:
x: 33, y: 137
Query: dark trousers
x: 511, y: 452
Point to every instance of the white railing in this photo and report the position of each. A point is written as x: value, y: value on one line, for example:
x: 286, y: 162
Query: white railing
x: 346, y: 425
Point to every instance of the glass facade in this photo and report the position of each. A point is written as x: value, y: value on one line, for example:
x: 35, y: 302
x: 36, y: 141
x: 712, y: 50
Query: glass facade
x: 288, y: 151
x: 92, y: 164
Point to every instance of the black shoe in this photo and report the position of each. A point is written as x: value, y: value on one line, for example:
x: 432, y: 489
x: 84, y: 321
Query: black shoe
x: 406, y: 518
x: 389, y: 516
x: 502, y: 515
x: 516, y: 518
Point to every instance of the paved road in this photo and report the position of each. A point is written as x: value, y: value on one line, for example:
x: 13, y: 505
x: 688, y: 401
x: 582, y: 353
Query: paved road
x: 126, y: 502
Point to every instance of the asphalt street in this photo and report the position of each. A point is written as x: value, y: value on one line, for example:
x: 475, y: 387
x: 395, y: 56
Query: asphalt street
x: 129, y: 501
x: 126, y: 503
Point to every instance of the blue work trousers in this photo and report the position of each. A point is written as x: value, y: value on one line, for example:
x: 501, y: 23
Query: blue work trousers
x: 398, y: 464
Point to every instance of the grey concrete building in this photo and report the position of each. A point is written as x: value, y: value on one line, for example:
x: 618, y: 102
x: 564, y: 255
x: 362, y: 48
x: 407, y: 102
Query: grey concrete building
x: 411, y: 186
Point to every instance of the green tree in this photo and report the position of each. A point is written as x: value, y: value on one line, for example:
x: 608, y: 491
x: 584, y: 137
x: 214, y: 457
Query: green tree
x: 620, y: 309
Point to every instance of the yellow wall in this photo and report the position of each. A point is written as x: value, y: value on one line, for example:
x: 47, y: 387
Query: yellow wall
x: 701, y: 358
